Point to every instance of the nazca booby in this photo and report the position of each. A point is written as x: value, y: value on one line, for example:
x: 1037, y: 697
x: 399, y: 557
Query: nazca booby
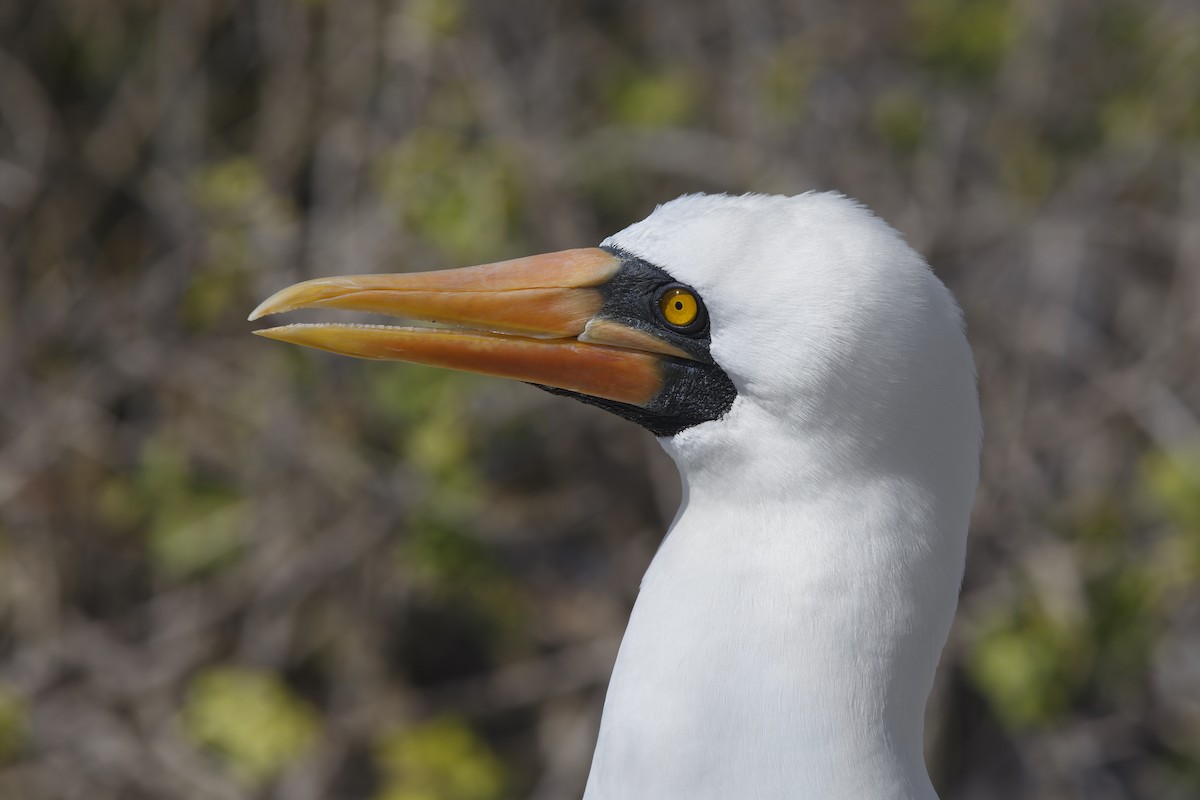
x: 811, y: 379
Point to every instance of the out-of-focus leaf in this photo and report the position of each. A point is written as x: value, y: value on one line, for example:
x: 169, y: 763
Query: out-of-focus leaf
x: 785, y: 79
x: 899, y: 117
x: 441, y: 555
x: 427, y: 407
x: 1033, y: 666
x: 439, y: 446
x: 197, y: 534
x: 1158, y: 98
x: 1025, y: 665
x: 409, y: 394
x: 250, y: 719
x: 440, y: 760
x: 434, y: 19
x: 462, y: 197
x: 458, y: 569
x: 1028, y: 168
x: 232, y: 186
x: 193, y: 525
x: 654, y: 100
x: 1129, y: 119
x: 1173, y: 482
x: 119, y: 503
x: 13, y: 724
x: 215, y: 291
x: 963, y: 38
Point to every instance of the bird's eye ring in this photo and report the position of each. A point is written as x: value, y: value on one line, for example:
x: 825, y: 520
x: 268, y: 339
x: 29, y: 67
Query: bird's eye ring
x: 681, y: 308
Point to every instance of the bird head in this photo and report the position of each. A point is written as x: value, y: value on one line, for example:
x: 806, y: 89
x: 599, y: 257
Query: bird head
x: 846, y: 353
x: 724, y: 325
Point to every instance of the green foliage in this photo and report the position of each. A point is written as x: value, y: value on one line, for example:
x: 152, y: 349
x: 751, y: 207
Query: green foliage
x: 244, y: 216
x: 447, y: 557
x: 439, y: 447
x: 216, y: 290
x: 785, y: 78
x: 434, y: 19
x: 197, y: 533
x: 1034, y: 665
x: 427, y: 406
x: 899, y: 118
x: 193, y: 525
x: 1027, y: 666
x: 1172, y: 482
x: 963, y: 39
x: 13, y: 724
x: 234, y: 187
x: 1027, y: 167
x: 440, y: 760
x: 445, y: 561
x: 119, y: 503
x: 653, y: 100
x: 1122, y: 25
x: 463, y: 197
x: 250, y: 720
x: 439, y: 554
x: 407, y: 395
x: 1153, y: 93
x: 1128, y: 119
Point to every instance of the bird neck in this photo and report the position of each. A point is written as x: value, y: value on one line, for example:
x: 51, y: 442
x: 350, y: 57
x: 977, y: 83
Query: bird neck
x: 784, y: 644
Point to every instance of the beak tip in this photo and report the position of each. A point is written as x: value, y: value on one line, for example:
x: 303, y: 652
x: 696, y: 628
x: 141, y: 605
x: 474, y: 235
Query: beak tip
x: 268, y: 333
x: 302, y: 295
x: 261, y: 310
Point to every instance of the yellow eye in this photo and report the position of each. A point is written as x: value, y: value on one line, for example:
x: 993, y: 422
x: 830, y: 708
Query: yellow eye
x: 679, y: 307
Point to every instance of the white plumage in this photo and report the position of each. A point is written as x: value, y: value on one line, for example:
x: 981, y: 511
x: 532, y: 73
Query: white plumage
x: 784, y: 641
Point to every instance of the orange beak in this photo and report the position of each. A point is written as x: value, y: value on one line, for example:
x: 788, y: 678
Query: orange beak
x: 532, y: 319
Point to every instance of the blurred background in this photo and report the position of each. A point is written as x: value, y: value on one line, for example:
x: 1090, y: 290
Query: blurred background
x: 234, y: 569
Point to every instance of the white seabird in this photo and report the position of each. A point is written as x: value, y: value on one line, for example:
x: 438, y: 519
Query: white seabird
x: 811, y: 379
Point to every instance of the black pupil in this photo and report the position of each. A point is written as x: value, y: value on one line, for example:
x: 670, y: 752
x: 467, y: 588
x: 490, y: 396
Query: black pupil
x: 678, y: 306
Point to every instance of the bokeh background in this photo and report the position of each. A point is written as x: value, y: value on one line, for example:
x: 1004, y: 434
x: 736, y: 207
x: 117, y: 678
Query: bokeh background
x: 233, y: 569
